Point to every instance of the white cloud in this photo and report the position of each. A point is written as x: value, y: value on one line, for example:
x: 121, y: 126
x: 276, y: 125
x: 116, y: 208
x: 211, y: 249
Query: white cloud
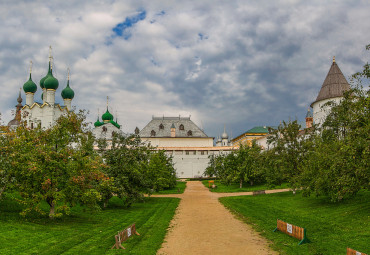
x: 236, y: 63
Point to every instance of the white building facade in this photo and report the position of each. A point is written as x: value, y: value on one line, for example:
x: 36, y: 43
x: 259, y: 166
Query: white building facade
x: 181, y: 138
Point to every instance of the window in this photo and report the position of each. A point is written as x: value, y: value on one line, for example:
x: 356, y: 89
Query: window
x: 190, y: 133
x: 152, y: 133
x: 105, y: 129
x: 161, y: 126
x: 202, y: 153
x: 181, y: 127
x: 187, y: 152
x: 31, y: 125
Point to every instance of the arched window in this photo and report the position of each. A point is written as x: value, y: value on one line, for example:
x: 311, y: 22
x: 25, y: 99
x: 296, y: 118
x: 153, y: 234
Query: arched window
x: 161, y: 126
x: 181, y: 127
x: 152, y: 133
x: 190, y: 133
x: 105, y: 129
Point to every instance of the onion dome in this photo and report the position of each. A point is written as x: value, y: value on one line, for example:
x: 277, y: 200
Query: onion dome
x: 107, y: 116
x: 29, y: 86
x: 46, y: 76
x: 98, y: 123
x: 224, y: 134
x: 67, y: 92
x: 51, y: 82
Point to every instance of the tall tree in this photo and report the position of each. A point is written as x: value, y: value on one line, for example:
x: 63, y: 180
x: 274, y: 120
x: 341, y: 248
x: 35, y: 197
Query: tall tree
x: 57, y: 165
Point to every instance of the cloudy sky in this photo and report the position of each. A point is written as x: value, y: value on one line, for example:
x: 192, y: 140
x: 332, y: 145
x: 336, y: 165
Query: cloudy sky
x: 235, y: 63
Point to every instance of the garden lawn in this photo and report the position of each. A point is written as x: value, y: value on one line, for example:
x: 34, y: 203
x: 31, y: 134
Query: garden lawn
x: 234, y: 187
x: 332, y: 227
x: 179, y: 189
x: 84, y: 232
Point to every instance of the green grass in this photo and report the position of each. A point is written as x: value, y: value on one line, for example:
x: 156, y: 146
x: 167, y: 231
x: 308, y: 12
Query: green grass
x: 234, y: 187
x: 84, y: 232
x: 179, y: 189
x: 332, y: 227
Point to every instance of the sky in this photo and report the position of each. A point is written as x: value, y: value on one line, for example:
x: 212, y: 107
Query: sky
x: 234, y: 64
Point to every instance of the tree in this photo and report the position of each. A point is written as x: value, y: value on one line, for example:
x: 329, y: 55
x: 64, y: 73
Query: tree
x: 290, y: 147
x: 161, y: 171
x: 57, y: 165
x: 127, y: 160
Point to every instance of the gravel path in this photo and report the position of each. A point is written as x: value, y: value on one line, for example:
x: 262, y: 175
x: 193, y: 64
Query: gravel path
x: 202, y: 225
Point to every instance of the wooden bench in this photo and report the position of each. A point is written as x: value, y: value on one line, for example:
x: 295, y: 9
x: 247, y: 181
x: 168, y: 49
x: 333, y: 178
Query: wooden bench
x: 294, y: 231
x: 124, y: 235
x: 353, y: 252
x: 210, y: 182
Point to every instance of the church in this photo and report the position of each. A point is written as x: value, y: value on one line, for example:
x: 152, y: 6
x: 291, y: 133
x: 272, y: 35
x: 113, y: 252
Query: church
x: 45, y: 113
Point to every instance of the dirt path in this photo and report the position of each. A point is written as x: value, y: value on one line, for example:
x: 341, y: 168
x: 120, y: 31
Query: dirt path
x: 202, y: 225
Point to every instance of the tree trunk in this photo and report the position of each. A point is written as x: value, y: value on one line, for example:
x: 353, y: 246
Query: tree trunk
x: 241, y: 183
x: 1, y: 191
x: 51, y: 203
x: 251, y: 182
x: 105, y: 203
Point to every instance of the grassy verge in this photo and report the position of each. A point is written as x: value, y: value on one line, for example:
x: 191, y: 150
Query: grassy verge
x: 179, y: 189
x: 234, y: 187
x: 84, y: 232
x: 331, y: 227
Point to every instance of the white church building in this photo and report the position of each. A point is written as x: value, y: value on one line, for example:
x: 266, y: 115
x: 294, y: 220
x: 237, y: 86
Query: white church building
x: 45, y: 113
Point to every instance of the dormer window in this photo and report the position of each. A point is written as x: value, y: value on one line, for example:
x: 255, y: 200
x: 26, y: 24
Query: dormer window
x: 190, y: 133
x: 181, y: 127
x: 161, y: 126
x: 152, y: 133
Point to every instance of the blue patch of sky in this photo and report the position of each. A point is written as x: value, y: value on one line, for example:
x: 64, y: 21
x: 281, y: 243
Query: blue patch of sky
x: 123, y: 29
x: 202, y: 36
x: 161, y: 13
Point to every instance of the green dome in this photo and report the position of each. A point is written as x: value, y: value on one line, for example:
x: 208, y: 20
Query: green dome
x: 29, y: 86
x: 67, y: 92
x: 115, y: 123
x: 51, y: 82
x: 44, y: 78
x: 98, y: 123
x: 107, y: 116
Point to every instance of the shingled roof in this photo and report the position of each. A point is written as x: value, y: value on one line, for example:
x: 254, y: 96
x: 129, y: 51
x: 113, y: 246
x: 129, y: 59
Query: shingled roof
x: 162, y: 127
x: 334, y: 85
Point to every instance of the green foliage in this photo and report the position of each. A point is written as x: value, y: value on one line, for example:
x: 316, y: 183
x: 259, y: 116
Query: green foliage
x: 136, y: 168
x: 57, y: 165
x: 161, y: 171
x: 85, y: 233
x: 331, y: 227
x: 241, y: 165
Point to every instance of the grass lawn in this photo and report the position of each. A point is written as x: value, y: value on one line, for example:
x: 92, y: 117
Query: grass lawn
x: 331, y: 227
x: 86, y: 232
x: 179, y: 189
x: 234, y: 187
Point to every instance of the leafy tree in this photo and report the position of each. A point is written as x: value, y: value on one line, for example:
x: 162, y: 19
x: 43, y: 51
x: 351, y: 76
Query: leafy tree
x: 290, y: 147
x: 161, y: 171
x: 127, y: 160
x: 57, y: 165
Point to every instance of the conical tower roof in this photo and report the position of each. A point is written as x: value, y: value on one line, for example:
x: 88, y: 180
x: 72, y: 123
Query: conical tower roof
x: 334, y: 84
